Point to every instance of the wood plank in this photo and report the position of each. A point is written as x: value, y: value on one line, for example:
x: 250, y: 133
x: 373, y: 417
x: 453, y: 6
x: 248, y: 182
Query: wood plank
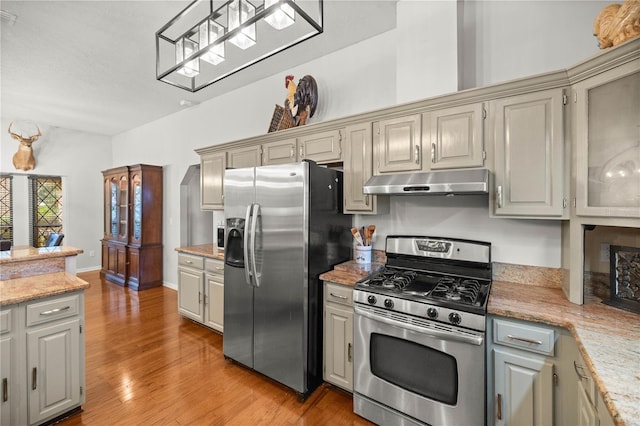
x: 148, y: 365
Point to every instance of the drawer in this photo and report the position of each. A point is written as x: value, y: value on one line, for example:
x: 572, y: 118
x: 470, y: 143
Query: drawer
x: 213, y: 266
x: 40, y: 312
x: 191, y: 261
x: 337, y: 293
x: 5, y: 321
x: 530, y: 338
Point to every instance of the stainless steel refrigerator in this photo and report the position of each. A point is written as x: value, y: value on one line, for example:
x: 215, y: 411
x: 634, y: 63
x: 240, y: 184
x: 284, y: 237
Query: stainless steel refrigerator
x: 284, y: 227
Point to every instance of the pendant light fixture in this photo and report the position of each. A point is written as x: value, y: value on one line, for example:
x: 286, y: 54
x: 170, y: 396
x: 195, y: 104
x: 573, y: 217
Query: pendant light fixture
x: 212, y: 39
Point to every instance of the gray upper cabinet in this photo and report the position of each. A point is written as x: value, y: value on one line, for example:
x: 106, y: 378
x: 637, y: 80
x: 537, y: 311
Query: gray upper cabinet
x: 239, y: 158
x: 397, y: 145
x: 528, y: 131
x: 280, y: 152
x: 358, y: 160
x: 608, y: 143
x: 324, y: 147
x: 453, y: 137
x: 212, y: 167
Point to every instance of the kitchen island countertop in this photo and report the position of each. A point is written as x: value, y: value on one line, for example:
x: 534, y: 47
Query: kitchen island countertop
x: 19, y: 290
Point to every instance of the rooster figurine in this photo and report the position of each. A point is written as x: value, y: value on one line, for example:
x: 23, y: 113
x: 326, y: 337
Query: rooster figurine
x: 302, y: 99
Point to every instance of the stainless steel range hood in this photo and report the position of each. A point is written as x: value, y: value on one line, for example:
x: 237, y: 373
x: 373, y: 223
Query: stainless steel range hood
x: 468, y: 181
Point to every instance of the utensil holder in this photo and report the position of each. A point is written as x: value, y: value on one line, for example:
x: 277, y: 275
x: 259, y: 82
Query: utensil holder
x: 363, y: 254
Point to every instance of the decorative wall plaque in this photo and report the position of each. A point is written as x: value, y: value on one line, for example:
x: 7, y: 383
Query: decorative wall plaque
x: 625, y: 278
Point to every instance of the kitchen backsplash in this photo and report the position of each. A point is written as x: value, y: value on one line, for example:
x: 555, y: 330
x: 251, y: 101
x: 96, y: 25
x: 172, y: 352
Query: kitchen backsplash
x: 529, y: 275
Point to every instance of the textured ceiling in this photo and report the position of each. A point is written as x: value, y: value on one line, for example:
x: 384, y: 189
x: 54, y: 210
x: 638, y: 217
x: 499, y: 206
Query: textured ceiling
x: 90, y: 65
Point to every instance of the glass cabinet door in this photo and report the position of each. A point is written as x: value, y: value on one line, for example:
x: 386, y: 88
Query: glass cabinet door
x: 608, y: 157
x: 136, y: 197
x: 114, y: 204
x: 123, y: 209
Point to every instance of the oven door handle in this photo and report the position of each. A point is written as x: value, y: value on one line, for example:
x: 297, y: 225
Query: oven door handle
x: 444, y: 335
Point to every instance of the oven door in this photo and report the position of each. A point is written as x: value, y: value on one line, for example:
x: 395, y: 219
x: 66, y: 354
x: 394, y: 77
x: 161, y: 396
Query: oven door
x: 432, y: 372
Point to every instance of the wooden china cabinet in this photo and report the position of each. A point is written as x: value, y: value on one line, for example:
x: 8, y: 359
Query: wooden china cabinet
x: 132, y: 241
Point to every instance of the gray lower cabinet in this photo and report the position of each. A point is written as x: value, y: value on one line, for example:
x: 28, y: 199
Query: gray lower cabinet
x: 537, y: 376
x: 42, y: 364
x: 338, y: 335
x: 590, y: 409
x: 214, y: 294
x: 521, y: 358
x: 201, y: 290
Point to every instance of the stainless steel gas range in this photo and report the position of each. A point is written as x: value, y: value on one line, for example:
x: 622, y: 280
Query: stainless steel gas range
x: 419, y: 333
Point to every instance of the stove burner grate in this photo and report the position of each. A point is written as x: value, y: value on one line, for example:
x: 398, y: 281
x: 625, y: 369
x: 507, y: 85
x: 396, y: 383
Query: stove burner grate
x: 466, y: 290
x: 393, y: 279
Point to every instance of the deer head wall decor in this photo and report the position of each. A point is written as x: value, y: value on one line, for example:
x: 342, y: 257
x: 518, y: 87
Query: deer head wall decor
x: 24, y: 159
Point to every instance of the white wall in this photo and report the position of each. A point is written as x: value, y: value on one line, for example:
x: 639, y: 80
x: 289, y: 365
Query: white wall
x: 78, y: 157
x: 418, y: 59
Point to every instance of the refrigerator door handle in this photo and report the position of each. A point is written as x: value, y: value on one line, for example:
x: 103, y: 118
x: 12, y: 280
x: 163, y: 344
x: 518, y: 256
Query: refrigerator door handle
x: 247, y: 265
x: 255, y: 213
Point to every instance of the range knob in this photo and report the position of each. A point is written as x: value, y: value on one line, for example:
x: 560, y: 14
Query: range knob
x: 432, y: 313
x: 388, y: 303
x: 371, y: 299
x: 454, y: 317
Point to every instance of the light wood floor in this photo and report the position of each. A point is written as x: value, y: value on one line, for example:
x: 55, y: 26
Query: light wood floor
x: 145, y: 364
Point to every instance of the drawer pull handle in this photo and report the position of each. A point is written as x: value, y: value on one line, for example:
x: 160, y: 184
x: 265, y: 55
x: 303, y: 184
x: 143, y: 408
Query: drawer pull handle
x: 34, y: 378
x: 350, y: 352
x: 499, y: 415
x: 219, y: 268
x: 5, y: 390
x: 580, y: 371
x: 55, y: 311
x: 189, y: 262
x: 338, y: 296
x: 524, y: 339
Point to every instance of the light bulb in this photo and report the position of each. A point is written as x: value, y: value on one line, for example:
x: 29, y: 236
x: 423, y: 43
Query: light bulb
x: 283, y: 16
x: 210, y: 31
x: 185, y: 48
x: 239, y: 12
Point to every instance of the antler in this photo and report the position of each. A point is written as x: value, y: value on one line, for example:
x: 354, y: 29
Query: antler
x: 22, y: 139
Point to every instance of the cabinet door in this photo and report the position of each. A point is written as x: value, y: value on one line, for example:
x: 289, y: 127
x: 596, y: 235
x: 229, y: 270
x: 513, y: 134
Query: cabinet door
x: 397, y: 145
x: 358, y: 168
x: 280, y: 152
x: 608, y: 143
x: 53, y: 359
x: 244, y: 157
x: 338, y: 348
x: 455, y: 137
x: 116, y: 262
x: 524, y: 389
x: 135, y: 236
x: 529, y: 154
x: 212, y: 167
x: 325, y: 147
x: 7, y: 387
x: 587, y: 415
x: 214, y: 316
x: 190, y: 293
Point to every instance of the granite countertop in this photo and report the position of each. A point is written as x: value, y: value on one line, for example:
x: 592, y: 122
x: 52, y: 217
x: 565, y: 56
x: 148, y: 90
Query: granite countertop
x: 206, y: 250
x: 608, y: 338
x: 19, y: 290
x: 350, y: 272
x: 19, y: 254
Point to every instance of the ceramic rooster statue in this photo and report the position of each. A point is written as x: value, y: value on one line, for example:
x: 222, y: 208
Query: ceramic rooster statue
x: 302, y: 99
